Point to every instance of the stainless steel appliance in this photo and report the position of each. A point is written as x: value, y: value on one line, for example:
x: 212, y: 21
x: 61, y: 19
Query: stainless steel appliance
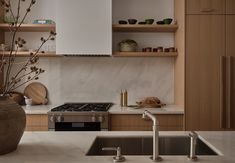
x: 79, y: 117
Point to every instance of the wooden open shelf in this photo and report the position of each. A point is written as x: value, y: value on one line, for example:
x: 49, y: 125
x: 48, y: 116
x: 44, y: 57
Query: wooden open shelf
x: 30, y: 27
x: 145, y: 54
x: 26, y: 54
x: 144, y: 28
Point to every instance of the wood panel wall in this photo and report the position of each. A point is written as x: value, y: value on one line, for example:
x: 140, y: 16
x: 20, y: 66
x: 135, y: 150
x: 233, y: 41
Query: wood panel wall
x: 1, y: 41
x: 179, y: 84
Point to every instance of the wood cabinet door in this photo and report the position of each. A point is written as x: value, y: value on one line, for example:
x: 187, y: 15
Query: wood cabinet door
x: 36, y: 122
x: 205, y: 44
x: 230, y: 53
x: 205, y: 6
x: 230, y: 7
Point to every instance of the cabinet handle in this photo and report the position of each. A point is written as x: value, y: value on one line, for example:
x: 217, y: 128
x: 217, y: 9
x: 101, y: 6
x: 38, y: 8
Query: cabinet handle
x: 222, y: 99
x: 229, y: 93
x: 207, y: 10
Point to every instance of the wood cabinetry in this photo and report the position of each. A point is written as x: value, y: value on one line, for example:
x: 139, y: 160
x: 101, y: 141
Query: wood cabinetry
x: 37, y: 122
x: 230, y: 54
x: 205, y: 45
x: 121, y: 122
x: 230, y: 7
x: 205, y: 6
x: 210, y: 69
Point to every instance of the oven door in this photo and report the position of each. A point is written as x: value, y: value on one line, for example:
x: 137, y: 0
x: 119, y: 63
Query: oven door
x: 77, y: 126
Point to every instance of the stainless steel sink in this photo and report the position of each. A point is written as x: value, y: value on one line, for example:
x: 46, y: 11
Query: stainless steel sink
x: 177, y: 145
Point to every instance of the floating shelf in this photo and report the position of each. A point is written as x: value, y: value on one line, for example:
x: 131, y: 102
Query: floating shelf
x: 144, y: 28
x: 145, y: 54
x: 30, y: 27
x: 26, y: 54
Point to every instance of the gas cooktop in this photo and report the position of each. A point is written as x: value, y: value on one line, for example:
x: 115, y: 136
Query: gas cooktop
x: 83, y: 107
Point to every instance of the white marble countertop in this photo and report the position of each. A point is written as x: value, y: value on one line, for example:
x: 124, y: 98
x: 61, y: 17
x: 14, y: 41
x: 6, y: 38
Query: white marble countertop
x: 38, y: 109
x: 71, y: 147
x: 168, y: 109
x: 115, y: 109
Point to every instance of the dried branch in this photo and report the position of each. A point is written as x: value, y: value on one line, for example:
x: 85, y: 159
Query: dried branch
x: 33, y: 56
x: 13, y: 41
x: 33, y: 78
x: 19, y: 80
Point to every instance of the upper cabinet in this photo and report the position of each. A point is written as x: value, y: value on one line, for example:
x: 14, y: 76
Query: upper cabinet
x: 206, y: 6
x: 84, y: 27
x: 230, y: 6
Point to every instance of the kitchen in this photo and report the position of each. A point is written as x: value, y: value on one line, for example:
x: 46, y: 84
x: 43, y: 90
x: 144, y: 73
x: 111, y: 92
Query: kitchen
x: 86, y: 68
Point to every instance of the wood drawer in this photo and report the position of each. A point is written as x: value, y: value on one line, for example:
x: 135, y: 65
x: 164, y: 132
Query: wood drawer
x: 120, y: 122
x: 36, y: 128
x: 205, y: 7
x: 36, y: 122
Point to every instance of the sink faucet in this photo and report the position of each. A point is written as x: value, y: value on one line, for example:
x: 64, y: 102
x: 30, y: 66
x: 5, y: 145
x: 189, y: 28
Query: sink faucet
x: 193, y: 142
x: 155, y: 156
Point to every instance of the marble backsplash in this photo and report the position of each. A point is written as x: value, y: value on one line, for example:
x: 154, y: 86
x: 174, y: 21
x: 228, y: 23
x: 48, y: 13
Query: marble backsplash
x: 100, y: 79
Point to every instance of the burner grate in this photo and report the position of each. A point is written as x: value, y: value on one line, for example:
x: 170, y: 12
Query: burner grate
x: 82, y: 107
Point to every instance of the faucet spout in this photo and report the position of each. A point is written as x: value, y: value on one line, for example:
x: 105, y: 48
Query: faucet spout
x: 155, y: 157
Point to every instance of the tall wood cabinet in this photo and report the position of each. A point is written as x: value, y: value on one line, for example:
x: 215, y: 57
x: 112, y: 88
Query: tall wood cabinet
x: 210, y: 66
x: 230, y: 69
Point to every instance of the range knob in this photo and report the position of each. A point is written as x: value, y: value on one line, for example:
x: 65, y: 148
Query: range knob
x: 101, y: 118
x: 60, y: 118
x: 93, y: 118
x: 53, y: 118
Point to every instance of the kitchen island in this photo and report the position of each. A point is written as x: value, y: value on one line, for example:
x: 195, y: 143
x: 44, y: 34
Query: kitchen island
x: 71, y: 147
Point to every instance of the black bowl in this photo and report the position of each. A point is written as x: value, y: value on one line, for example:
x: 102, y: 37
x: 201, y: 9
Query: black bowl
x: 149, y: 21
x: 122, y: 22
x: 160, y: 22
x: 142, y: 23
x: 167, y: 21
x: 132, y: 21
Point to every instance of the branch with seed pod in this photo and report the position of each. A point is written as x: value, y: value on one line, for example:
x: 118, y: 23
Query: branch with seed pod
x: 18, y: 80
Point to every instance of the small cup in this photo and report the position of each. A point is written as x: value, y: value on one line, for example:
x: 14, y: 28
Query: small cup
x: 28, y: 101
x: 171, y: 49
x: 160, y: 49
x: 166, y: 50
x: 148, y: 49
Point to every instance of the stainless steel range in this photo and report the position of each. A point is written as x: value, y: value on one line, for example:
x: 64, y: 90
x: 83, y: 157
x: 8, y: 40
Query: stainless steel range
x: 79, y: 117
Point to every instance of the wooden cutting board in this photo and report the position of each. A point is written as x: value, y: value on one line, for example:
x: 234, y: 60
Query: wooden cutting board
x: 37, y: 92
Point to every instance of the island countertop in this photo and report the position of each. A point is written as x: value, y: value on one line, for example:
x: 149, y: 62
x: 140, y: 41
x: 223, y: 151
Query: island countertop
x: 71, y: 147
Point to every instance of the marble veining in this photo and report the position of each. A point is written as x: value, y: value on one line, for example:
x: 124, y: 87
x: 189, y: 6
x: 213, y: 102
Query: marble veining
x: 100, y: 79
